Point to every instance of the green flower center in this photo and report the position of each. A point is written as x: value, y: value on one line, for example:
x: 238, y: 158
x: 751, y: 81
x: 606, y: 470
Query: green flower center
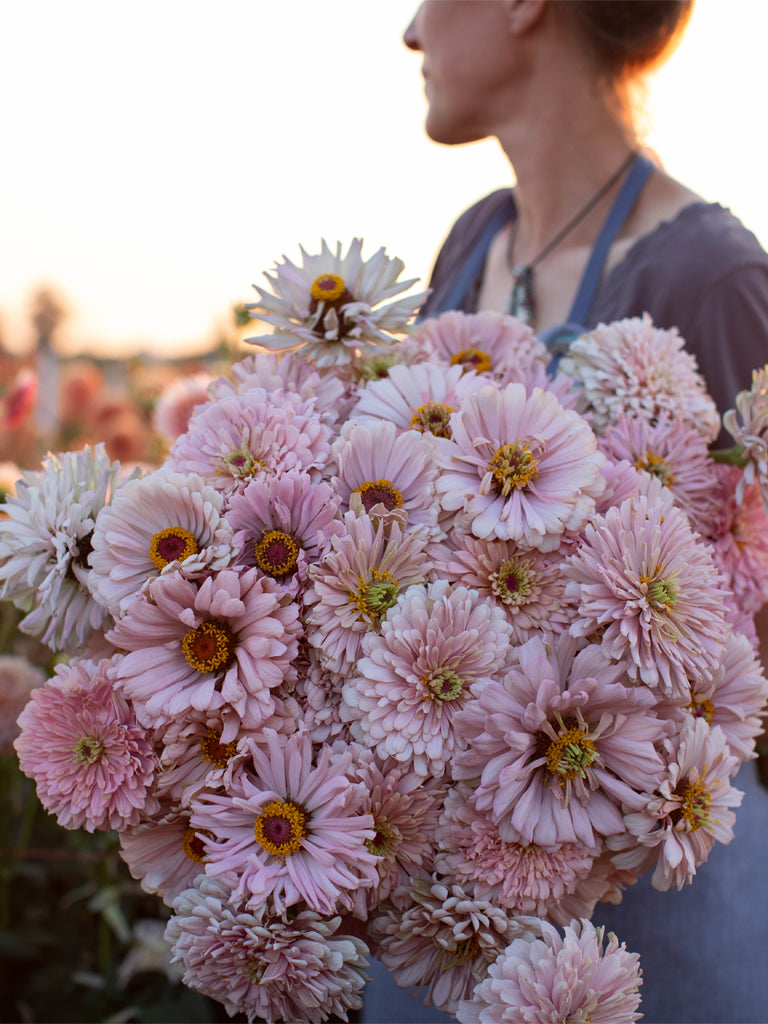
x: 512, y: 582
x: 444, y: 685
x: 569, y: 756
x: 657, y: 466
x: 89, y: 750
x: 376, y: 595
x: 696, y: 805
x: 386, y: 840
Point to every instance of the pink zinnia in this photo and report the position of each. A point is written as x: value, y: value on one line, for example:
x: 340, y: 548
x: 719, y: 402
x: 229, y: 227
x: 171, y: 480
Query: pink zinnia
x: 739, y: 535
x: 223, y: 642
x: 253, y: 434
x: 296, y: 967
x: 282, y: 524
x: 176, y: 403
x: 648, y: 585
x: 18, y: 678
x: 91, y: 761
x: 164, y: 853
x: 489, y: 343
x: 689, y: 812
x: 559, y: 747
x: 416, y: 675
x: 570, y: 978
x: 520, y: 467
x: 439, y: 938
x: 358, y: 580
x: 527, y: 584
x: 292, y: 828
x: 748, y: 426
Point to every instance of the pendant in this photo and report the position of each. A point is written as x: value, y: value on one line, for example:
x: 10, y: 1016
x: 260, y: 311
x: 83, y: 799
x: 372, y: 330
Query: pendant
x: 521, y: 301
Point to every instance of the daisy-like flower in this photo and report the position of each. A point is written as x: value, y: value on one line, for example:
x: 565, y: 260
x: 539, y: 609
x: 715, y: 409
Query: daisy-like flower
x: 358, y: 580
x: 18, y: 678
x: 690, y: 811
x: 91, y: 761
x: 439, y: 938
x: 527, y: 584
x: 292, y: 828
x: 45, y: 544
x: 738, y: 531
x: 521, y: 877
x: 735, y: 698
x: 282, y: 524
x: 225, y: 642
x: 269, y: 968
x: 386, y: 468
x: 176, y: 403
x: 287, y: 372
x: 520, y: 467
x: 416, y: 674
x: 405, y: 809
x: 160, y: 522
x: 642, y: 369
x: 748, y: 426
x: 252, y: 434
x: 489, y: 343
x: 675, y: 452
x: 645, y: 581
x: 560, y: 748
x: 578, y: 976
x: 421, y: 397
x: 164, y: 853
x: 330, y: 308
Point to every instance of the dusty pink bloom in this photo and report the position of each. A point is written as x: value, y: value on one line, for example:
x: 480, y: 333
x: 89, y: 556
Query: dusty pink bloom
x: 559, y: 746
x: 282, y: 524
x: 291, y: 826
x: 690, y: 811
x: 405, y: 809
x: 569, y: 978
x: 318, y: 691
x: 416, y: 674
x: 521, y: 877
x: 488, y: 343
x: 739, y: 534
x: 18, y: 678
x: 360, y: 577
x: 527, y: 584
x: 386, y: 467
x: 421, y: 397
x: 735, y: 697
x: 253, y: 434
x: 521, y: 467
x: 92, y: 763
x: 176, y: 403
x: 162, y: 520
x: 748, y: 426
x: 439, y: 938
x: 269, y: 968
x: 647, y: 583
x: 223, y: 642
x: 164, y: 853
x: 622, y: 481
x: 675, y: 452
x: 631, y: 365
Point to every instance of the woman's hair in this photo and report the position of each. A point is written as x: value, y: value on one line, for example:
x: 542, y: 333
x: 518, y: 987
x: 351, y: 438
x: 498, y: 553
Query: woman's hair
x: 629, y: 37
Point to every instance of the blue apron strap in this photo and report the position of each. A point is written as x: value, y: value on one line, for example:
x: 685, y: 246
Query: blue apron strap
x: 625, y: 200
x: 473, y: 263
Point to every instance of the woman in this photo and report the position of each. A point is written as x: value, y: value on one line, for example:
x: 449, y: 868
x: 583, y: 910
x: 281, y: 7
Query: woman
x: 595, y: 231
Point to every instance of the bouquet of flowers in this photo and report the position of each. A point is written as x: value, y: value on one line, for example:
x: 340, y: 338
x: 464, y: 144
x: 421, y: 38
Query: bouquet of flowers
x: 415, y: 645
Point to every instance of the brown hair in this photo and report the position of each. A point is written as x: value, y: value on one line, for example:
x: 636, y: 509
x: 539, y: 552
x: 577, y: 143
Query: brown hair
x: 629, y: 37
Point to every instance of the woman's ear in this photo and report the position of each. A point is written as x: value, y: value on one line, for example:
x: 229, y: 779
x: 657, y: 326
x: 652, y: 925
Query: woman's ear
x: 523, y: 15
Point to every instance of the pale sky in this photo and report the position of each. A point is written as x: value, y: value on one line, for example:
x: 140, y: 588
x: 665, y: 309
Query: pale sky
x: 158, y: 156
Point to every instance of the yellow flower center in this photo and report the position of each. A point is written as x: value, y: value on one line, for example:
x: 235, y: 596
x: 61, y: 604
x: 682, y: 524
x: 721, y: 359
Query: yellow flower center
x: 702, y: 709
x: 658, y: 467
x: 569, y: 756
x: 472, y: 359
x: 214, y: 752
x: 513, y: 465
x: 280, y: 827
x: 379, y: 492
x: 696, y: 803
x: 277, y: 553
x: 432, y: 418
x: 327, y: 288
x: 209, y: 647
x: 192, y: 843
x: 170, y: 545
x: 375, y: 595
